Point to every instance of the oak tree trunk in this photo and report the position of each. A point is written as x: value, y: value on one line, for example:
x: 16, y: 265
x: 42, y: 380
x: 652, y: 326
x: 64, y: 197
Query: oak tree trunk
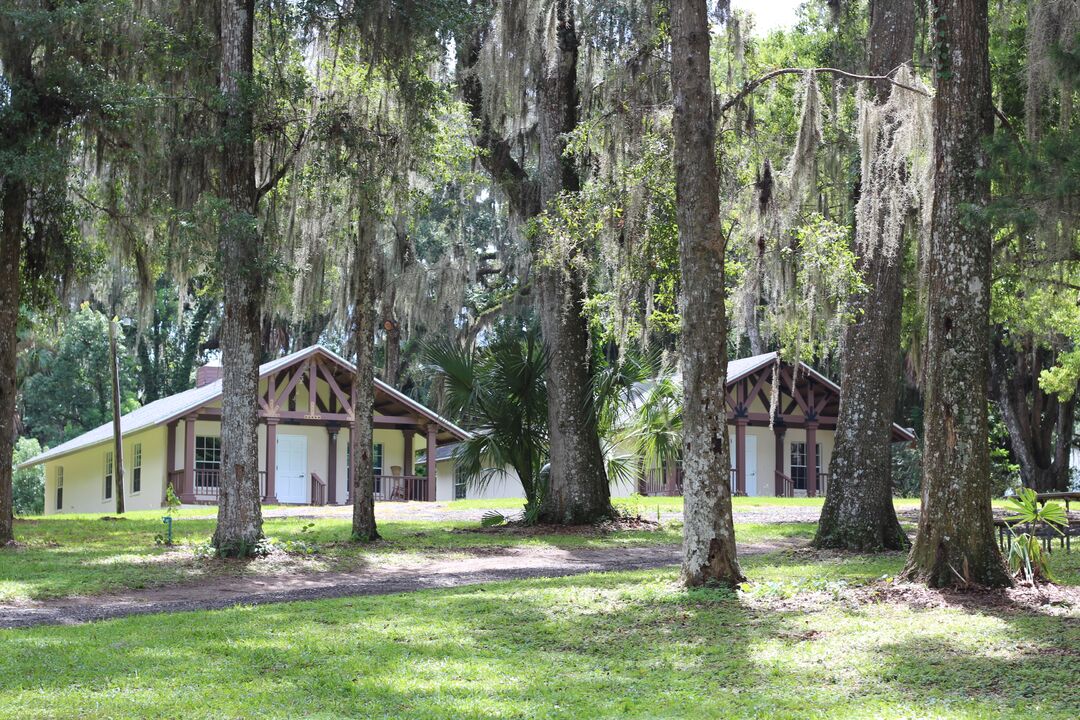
x: 11, y: 236
x: 955, y: 544
x: 1040, y: 425
x: 578, y: 492
x: 240, y: 251
x: 858, y: 513
x: 709, y: 534
x: 360, y: 436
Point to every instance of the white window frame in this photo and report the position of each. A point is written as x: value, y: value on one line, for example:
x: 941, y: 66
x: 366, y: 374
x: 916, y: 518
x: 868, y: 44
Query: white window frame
x: 378, y: 458
x: 107, y: 477
x: 804, y: 466
x: 59, y: 490
x: 136, y: 469
x: 461, y: 490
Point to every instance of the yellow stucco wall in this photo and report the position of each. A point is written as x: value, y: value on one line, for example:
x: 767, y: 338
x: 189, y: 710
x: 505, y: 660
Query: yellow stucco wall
x: 84, y: 476
x: 84, y: 469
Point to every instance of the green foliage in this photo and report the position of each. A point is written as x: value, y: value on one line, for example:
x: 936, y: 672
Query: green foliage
x: 812, y: 315
x: 28, y: 484
x: 72, y: 392
x: 1026, y: 556
x: 654, y: 427
x: 906, y: 470
x: 498, y: 392
x: 170, y: 348
x: 1004, y: 472
x: 172, y: 501
x: 1036, y: 187
x: 492, y: 518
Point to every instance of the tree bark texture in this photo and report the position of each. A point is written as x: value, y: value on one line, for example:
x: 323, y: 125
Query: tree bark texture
x: 1040, y: 425
x: 708, y: 534
x: 579, y: 491
x: 11, y: 237
x: 360, y: 436
x: 240, y: 253
x: 955, y: 544
x: 858, y: 513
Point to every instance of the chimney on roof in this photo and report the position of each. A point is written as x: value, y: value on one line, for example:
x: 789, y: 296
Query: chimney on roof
x: 208, y: 373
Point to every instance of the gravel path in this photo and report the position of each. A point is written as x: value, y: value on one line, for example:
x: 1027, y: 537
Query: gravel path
x: 514, y: 564
x: 439, y: 512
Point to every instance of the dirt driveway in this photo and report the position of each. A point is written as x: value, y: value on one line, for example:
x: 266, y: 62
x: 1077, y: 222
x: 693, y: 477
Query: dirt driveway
x: 406, y: 576
x: 441, y: 512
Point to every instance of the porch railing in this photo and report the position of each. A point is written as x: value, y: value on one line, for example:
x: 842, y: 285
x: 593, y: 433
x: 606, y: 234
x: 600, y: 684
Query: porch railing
x: 318, y: 490
x: 207, y: 484
x: 822, y: 484
x: 786, y: 484
x: 658, y: 483
x: 401, y: 487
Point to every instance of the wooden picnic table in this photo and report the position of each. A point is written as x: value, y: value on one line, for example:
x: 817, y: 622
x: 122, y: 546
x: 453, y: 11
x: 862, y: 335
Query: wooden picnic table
x: 1043, y: 498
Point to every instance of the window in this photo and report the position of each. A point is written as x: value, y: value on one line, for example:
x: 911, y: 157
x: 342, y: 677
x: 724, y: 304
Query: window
x: 377, y: 465
x: 136, y: 469
x: 459, y: 485
x: 798, y: 464
x: 107, y: 494
x: 207, y: 461
x: 59, y: 488
x: 377, y: 458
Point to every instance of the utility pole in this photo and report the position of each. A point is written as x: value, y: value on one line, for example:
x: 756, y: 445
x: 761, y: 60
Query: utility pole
x: 118, y: 440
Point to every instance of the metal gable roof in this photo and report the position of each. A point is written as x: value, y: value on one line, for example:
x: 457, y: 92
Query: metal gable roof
x: 176, y: 406
x: 741, y: 367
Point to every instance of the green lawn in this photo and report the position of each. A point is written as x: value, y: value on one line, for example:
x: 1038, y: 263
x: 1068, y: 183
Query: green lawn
x: 799, y: 644
x: 64, y: 555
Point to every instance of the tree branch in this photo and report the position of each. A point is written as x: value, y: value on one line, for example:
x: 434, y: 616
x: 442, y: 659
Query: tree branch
x: 751, y: 85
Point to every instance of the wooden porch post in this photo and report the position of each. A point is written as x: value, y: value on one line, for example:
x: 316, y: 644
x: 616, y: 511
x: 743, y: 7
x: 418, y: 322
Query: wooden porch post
x: 271, y: 461
x: 408, y: 465
x: 331, y: 464
x: 740, y: 455
x: 187, y: 493
x: 778, y: 468
x: 170, y: 456
x: 432, y: 446
x: 811, y: 458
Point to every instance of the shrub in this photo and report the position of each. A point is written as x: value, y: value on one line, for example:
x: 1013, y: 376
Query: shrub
x: 28, y: 485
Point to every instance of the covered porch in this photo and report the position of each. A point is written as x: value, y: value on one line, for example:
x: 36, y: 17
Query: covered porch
x: 305, y: 422
x: 781, y: 450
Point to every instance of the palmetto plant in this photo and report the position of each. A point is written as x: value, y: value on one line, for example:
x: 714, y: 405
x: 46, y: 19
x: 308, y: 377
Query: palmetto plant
x: 618, y: 388
x: 658, y: 424
x: 654, y: 430
x: 498, y: 391
x: 1026, y: 557
x: 639, y: 414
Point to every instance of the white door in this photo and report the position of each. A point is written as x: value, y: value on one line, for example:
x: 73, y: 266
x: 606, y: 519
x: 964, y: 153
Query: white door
x: 291, y: 469
x: 751, y: 463
x: 751, y: 466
